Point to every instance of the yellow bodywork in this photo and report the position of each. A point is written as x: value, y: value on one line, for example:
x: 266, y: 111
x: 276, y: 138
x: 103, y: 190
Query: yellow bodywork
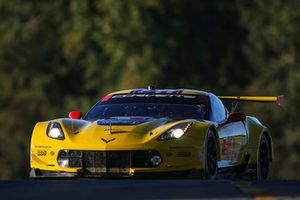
x: 183, y: 154
x: 44, y: 150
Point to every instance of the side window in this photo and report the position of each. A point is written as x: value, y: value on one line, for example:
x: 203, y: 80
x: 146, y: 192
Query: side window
x: 217, y: 112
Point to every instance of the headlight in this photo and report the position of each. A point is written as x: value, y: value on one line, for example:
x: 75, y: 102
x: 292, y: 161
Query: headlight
x: 55, y: 131
x: 175, y: 132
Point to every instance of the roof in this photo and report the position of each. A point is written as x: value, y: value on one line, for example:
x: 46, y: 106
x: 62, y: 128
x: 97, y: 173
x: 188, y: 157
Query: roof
x: 162, y: 91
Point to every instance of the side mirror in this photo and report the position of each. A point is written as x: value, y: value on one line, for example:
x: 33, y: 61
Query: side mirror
x: 235, y: 117
x: 75, y: 115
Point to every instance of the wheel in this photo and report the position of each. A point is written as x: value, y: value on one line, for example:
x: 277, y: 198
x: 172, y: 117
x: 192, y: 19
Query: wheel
x: 260, y: 170
x: 211, y: 159
x: 263, y: 159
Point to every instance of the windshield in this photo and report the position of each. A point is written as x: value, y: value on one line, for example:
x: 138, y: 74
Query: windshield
x: 176, y: 107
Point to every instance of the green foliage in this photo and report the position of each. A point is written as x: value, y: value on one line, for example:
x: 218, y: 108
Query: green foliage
x: 273, y: 51
x: 57, y: 56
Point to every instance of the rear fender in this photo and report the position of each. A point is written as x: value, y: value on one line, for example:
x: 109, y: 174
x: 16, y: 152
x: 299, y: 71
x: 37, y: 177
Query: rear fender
x: 256, y: 130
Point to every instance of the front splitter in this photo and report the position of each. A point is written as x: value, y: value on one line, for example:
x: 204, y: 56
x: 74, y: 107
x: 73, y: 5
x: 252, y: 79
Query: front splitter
x: 37, y: 173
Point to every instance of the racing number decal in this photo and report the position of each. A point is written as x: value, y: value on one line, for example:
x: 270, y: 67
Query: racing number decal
x: 233, y: 138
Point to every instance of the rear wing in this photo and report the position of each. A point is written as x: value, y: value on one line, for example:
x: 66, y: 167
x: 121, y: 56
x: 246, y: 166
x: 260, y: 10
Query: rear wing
x: 279, y: 100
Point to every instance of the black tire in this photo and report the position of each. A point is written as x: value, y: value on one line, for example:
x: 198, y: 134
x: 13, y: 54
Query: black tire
x: 211, y: 159
x: 263, y: 159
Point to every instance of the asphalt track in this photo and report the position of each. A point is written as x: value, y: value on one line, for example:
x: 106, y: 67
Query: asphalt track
x: 148, y: 189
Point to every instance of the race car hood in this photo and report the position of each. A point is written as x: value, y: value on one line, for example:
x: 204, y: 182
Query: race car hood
x: 116, y: 130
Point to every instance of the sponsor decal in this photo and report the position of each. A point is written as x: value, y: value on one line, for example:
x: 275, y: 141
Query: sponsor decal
x: 228, y: 146
x: 43, y: 147
x: 41, y: 152
x: 144, y: 91
x: 153, y: 95
x: 184, y: 154
x: 231, y: 147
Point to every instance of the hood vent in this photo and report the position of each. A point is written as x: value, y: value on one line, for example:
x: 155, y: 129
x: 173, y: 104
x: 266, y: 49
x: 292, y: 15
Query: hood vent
x: 124, y: 121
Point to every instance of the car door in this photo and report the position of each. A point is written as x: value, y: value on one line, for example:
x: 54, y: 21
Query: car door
x: 231, y: 130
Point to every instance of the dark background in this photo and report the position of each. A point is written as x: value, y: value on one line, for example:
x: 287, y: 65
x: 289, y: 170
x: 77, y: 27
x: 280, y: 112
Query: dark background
x: 60, y: 55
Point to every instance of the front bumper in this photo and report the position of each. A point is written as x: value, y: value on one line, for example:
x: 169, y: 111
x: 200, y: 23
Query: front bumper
x: 126, y: 164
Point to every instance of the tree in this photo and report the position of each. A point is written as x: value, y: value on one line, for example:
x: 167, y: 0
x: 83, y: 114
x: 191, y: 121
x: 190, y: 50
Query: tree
x: 272, y: 48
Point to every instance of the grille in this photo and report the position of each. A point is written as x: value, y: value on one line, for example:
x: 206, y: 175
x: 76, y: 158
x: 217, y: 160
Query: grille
x: 107, y: 161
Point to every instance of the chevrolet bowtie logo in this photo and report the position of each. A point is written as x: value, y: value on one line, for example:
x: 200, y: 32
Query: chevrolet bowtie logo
x: 107, y: 141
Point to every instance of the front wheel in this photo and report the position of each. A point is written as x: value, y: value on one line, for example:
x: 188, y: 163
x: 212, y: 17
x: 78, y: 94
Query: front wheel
x: 211, y: 159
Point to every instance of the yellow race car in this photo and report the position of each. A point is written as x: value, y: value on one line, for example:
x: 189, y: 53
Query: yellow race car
x: 154, y: 132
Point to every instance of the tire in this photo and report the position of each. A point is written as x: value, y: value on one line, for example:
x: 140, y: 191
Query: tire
x: 263, y: 159
x: 211, y: 158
